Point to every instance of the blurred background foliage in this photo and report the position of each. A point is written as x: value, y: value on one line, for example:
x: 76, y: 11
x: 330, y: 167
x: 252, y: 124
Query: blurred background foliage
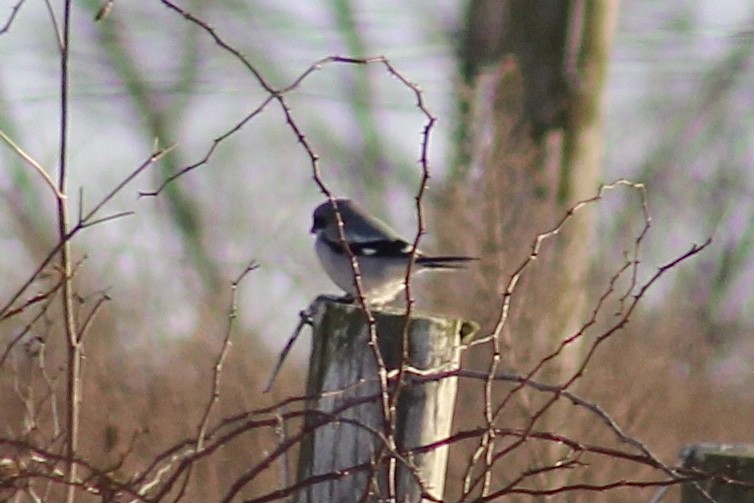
x: 678, y: 117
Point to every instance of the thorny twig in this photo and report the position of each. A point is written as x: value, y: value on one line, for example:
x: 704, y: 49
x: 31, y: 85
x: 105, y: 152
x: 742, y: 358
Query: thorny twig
x: 304, y: 318
x: 181, y: 457
x: 217, y: 373
x: 486, y: 444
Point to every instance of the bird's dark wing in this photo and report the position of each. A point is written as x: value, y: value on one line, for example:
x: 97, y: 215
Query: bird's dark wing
x: 374, y: 248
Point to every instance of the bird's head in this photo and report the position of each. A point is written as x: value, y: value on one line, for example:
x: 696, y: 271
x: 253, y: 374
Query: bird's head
x: 324, y: 215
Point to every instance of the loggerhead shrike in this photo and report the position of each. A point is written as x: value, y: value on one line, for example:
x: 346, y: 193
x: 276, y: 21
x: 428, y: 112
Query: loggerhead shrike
x: 382, y: 255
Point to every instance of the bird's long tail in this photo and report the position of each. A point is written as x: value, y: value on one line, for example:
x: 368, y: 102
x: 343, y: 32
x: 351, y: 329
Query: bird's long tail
x: 447, y: 262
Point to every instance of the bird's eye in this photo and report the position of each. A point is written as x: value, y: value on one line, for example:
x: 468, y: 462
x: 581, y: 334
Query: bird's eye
x: 318, y: 223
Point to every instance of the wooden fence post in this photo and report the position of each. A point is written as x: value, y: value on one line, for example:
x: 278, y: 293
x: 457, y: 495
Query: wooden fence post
x: 731, y: 461
x: 335, y: 462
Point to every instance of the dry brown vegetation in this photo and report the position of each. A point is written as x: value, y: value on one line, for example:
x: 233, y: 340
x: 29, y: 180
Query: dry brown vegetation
x: 140, y: 402
x: 183, y: 418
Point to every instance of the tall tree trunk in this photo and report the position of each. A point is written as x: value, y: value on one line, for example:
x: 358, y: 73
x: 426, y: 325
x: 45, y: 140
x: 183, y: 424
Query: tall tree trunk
x: 528, y: 147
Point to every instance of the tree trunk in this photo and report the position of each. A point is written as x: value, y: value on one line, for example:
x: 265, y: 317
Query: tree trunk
x: 528, y: 147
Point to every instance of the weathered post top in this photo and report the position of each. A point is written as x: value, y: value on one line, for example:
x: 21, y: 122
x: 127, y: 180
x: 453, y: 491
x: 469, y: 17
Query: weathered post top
x: 735, y: 462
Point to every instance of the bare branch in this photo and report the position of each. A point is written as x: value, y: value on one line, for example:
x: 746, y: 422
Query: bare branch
x: 304, y: 319
x: 84, y: 222
x: 13, y: 12
x: 219, y: 362
x: 31, y: 162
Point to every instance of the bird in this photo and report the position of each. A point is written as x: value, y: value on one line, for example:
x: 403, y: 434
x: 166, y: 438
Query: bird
x: 382, y: 255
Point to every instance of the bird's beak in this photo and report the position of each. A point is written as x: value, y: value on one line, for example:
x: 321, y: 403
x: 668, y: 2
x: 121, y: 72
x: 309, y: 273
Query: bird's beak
x: 317, y: 225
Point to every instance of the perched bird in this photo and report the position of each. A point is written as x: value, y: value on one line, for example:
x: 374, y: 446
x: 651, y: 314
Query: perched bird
x: 382, y: 255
